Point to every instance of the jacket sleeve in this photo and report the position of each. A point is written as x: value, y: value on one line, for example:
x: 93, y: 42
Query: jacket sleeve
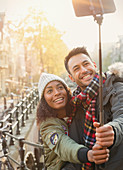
x: 116, y: 101
x: 66, y: 148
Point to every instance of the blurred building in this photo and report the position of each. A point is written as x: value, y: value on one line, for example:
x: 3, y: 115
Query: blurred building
x: 3, y: 69
x: 3, y: 57
x: 12, y: 67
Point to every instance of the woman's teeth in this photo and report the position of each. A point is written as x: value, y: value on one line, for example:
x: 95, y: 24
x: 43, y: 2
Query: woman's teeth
x: 58, y: 99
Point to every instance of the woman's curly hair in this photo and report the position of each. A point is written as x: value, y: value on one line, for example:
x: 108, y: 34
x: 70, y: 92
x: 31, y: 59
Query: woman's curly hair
x: 45, y: 111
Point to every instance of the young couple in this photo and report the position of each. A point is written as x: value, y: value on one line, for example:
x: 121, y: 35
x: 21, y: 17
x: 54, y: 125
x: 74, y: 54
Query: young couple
x: 69, y: 124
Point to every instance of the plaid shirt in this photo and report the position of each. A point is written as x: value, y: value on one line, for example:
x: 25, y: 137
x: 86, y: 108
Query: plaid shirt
x: 87, y: 99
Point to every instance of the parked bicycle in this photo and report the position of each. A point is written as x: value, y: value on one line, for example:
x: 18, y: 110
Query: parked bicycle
x: 4, y: 160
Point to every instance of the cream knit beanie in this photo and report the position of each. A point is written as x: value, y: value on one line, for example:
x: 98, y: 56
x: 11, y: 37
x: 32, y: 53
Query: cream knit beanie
x: 46, y: 78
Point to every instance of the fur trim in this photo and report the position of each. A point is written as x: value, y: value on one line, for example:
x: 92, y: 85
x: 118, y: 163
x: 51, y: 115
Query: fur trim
x: 117, y: 69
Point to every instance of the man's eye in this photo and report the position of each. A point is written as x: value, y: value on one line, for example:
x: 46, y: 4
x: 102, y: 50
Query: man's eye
x: 76, y: 69
x: 86, y: 64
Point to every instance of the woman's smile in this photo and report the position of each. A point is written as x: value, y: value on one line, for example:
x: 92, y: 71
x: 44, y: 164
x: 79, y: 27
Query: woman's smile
x: 59, y: 100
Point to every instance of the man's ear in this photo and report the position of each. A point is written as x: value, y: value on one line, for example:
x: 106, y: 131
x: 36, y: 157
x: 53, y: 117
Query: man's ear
x: 95, y: 65
x: 72, y: 79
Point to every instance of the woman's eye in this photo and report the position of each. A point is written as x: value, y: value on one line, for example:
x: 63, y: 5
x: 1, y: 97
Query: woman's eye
x: 49, y: 91
x: 61, y: 87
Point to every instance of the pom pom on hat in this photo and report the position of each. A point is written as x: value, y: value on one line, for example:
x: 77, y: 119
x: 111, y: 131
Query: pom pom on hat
x: 46, y: 78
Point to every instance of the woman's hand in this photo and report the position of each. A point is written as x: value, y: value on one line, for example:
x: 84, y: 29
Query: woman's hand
x: 98, y: 154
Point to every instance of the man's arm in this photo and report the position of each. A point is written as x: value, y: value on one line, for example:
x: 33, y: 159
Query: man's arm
x: 111, y: 134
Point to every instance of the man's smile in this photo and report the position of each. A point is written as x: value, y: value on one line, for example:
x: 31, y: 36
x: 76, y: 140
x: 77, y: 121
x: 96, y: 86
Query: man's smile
x: 87, y: 76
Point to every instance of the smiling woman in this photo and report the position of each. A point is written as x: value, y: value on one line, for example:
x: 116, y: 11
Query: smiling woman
x: 54, y: 117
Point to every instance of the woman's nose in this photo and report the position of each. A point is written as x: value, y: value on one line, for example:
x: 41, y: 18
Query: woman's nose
x: 56, y: 92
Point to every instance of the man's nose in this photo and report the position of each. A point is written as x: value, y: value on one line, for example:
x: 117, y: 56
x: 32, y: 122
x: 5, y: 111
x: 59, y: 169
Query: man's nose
x: 83, y: 69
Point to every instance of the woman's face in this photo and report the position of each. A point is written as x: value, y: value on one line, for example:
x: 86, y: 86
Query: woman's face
x: 55, y: 95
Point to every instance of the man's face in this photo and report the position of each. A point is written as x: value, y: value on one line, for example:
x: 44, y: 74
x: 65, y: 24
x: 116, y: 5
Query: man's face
x: 82, y: 70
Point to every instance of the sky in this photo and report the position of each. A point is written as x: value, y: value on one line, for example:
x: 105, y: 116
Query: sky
x: 79, y: 31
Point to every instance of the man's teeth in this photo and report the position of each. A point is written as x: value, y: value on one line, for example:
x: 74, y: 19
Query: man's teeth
x: 58, y: 99
x: 86, y: 76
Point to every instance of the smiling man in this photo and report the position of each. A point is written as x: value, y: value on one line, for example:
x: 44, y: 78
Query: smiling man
x: 82, y: 70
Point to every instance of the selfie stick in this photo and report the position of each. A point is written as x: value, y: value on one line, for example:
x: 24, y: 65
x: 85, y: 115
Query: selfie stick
x: 98, y: 19
x: 96, y: 8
